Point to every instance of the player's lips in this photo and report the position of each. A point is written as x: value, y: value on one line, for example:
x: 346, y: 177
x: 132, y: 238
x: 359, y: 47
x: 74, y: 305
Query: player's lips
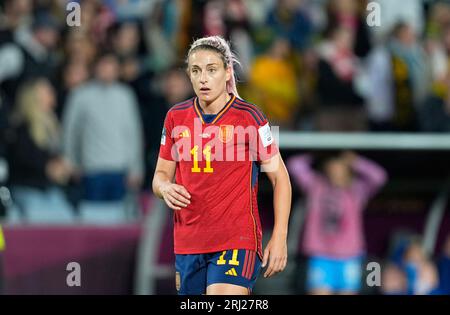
x: 205, y: 90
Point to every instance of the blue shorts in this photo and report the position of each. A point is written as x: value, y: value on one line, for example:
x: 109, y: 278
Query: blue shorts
x: 334, y: 274
x: 195, y: 272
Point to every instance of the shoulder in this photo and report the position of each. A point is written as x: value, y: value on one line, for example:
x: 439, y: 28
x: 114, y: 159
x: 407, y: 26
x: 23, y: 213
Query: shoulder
x: 251, y: 111
x: 82, y: 89
x: 85, y: 91
x: 179, y: 110
x: 182, y: 106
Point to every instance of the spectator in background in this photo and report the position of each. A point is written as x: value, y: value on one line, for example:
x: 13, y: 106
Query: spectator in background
x: 393, y: 280
x: 135, y: 71
x: 229, y: 19
x: 103, y: 138
x: 73, y: 74
x: 127, y: 44
x: 444, y: 268
x: 15, y: 14
x: 213, y: 19
x: 336, y: 196
x: 434, y: 114
x: 399, y: 81
x: 11, y: 65
x: 2, y: 248
x: 163, y: 33
x: 130, y: 9
x: 258, y: 10
x: 38, y: 48
x: 273, y: 84
x: 288, y: 20
x: 57, y: 8
x: 340, y: 106
x: 80, y: 48
x: 89, y: 10
x: 439, y: 56
x: 438, y: 20
x: 37, y: 168
x: 420, y: 270
x: 410, y: 12
x: 238, y: 30
x: 409, y: 258
x: 350, y: 14
x: 174, y: 87
x: 126, y: 39
x: 96, y: 19
x: 4, y: 169
x: 26, y: 50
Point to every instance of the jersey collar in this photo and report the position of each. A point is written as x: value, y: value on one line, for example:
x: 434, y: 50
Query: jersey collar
x: 199, y: 111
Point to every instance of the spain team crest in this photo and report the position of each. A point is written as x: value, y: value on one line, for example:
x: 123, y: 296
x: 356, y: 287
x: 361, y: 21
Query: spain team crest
x: 226, y: 133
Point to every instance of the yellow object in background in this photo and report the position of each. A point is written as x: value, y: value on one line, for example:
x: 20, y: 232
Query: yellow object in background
x: 274, y: 88
x: 2, y: 240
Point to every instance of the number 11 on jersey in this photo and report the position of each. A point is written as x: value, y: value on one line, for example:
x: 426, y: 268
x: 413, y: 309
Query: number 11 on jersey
x: 207, y: 154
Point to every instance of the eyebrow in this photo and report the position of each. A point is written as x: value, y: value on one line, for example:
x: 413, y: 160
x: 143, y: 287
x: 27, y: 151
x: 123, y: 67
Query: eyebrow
x: 209, y: 64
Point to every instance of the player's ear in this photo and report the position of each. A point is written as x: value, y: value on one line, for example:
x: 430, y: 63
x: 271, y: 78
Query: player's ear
x: 228, y: 73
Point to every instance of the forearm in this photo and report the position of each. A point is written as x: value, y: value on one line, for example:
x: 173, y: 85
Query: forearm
x: 282, y: 206
x: 301, y: 170
x: 160, y: 180
x: 370, y: 170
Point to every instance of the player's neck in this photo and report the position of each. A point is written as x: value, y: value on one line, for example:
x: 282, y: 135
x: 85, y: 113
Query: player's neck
x: 216, y: 105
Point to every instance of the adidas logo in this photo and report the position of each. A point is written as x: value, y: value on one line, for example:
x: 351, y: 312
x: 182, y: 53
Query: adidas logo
x: 184, y: 134
x: 231, y: 272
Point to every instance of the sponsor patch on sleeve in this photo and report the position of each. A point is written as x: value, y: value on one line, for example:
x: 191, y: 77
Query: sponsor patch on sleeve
x: 265, y: 135
x: 163, y: 136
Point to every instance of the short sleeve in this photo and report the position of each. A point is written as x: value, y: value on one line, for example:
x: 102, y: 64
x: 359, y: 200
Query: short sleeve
x: 266, y: 144
x: 165, y: 149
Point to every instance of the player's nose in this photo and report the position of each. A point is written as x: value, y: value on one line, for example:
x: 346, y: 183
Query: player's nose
x: 203, y: 78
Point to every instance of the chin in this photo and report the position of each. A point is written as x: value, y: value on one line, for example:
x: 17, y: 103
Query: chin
x: 206, y: 98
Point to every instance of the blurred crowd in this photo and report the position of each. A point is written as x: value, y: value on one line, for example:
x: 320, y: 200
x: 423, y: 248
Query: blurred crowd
x: 337, y: 186
x: 409, y: 269
x: 82, y: 107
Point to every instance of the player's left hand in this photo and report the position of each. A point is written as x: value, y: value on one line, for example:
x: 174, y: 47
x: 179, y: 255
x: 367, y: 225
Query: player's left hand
x: 276, y: 254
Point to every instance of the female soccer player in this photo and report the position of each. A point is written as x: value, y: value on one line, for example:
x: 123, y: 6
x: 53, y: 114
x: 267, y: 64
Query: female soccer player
x: 212, y: 148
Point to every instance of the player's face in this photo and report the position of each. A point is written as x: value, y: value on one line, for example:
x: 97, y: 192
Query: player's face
x: 208, y: 75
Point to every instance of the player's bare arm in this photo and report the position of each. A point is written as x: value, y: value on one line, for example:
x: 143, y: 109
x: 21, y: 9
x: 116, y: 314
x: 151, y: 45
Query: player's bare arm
x: 275, y: 253
x: 175, y: 196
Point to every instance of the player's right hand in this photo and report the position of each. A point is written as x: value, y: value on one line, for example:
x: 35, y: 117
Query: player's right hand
x: 175, y: 196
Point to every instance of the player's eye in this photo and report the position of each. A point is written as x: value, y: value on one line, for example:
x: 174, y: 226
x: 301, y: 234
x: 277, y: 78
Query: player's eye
x: 194, y: 71
x: 212, y: 70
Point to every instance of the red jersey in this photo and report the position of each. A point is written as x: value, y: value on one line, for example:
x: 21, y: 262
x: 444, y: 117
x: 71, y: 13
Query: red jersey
x: 218, y: 159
